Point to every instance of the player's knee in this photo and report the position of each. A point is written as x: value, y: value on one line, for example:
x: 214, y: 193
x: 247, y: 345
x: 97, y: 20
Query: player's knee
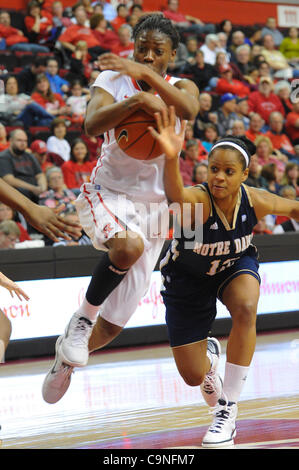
x: 193, y: 378
x: 6, y: 329
x: 127, y: 250
x: 245, y: 314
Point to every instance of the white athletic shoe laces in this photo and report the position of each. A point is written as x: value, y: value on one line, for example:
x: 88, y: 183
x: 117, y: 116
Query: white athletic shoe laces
x: 222, y: 431
x: 74, y: 346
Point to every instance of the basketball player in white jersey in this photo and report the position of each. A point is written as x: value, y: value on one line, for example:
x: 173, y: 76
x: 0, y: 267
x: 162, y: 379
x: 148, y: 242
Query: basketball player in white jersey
x: 115, y: 224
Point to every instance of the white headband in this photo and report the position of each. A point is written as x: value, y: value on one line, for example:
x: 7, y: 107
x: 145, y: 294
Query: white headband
x: 236, y: 146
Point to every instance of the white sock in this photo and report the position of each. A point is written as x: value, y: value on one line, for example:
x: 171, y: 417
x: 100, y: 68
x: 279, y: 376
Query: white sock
x: 234, y: 380
x: 2, y: 350
x: 88, y: 310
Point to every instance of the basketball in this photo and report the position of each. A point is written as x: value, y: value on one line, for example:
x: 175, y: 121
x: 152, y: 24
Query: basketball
x: 133, y: 137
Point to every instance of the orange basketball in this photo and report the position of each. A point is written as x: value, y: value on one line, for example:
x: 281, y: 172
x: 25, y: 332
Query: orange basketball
x: 134, y: 138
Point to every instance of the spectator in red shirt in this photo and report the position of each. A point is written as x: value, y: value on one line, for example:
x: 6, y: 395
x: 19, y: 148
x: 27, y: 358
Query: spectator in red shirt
x: 53, y: 103
x: 226, y: 83
x: 292, y: 124
x: 80, y: 32
x: 279, y: 139
x: 122, y: 14
x: 255, y: 127
x: 4, y: 144
x: 40, y: 152
x: 264, y: 101
x: 11, y: 35
x: 39, y: 23
x: 186, y: 23
x: 107, y: 37
x: 78, y: 169
x: 193, y: 154
x: 125, y: 47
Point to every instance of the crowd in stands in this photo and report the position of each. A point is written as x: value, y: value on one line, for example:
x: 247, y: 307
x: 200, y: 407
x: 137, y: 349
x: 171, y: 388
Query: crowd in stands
x: 48, y: 61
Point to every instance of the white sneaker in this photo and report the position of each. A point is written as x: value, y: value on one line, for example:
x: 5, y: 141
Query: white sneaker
x: 222, y: 431
x: 211, y: 387
x: 74, y: 346
x: 58, y: 379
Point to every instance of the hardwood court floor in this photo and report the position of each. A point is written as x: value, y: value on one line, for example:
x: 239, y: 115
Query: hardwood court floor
x: 135, y: 399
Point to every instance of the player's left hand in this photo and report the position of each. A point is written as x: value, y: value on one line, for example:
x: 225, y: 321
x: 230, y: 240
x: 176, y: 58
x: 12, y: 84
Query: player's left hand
x: 12, y: 287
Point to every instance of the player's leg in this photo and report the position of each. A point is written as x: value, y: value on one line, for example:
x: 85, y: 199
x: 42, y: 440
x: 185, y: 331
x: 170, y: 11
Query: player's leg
x: 241, y: 299
x: 5, y: 333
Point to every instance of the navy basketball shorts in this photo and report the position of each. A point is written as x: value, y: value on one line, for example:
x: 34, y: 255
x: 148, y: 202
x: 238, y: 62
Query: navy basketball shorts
x: 190, y: 301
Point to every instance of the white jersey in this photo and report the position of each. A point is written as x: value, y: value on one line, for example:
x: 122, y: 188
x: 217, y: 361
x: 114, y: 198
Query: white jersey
x: 141, y: 180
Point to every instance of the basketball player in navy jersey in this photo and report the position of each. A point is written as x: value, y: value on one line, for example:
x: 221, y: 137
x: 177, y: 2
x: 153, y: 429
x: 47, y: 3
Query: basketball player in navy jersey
x: 223, y: 265
x: 129, y: 255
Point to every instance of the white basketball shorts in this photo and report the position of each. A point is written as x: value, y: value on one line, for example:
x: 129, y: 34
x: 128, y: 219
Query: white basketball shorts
x: 103, y: 213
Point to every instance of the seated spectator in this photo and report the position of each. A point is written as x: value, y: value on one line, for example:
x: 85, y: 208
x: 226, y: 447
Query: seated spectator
x: 279, y: 139
x: 77, y: 101
x: 38, y: 24
x: 121, y: 18
x: 291, y: 177
x: 283, y: 90
x: 59, y: 20
x: 288, y: 192
x: 226, y: 114
x: 201, y: 72
x: 264, y: 101
x: 18, y: 109
x: 289, y: 46
x: 7, y: 213
x: 256, y: 124
x: 254, y: 174
x: 78, y: 169
x: 276, y: 60
x: 270, y: 28
x: 264, y: 69
x: 20, y: 169
x: 226, y: 83
x: 9, y: 234
x: 266, y: 154
x: 200, y: 173
x: 191, y: 156
x: 223, y: 46
x: 237, y: 40
x: 192, y: 46
x: 292, y: 124
x: 27, y: 76
x: 53, y: 103
x: 269, y: 173
x: 210, y: 136
x: 40, y: 152
x: 57, y: 143
x: 179, y: 64
x: 238, y: 128
x: 80, y: 32
x: 210, y: 48
x: 261, y: 228
x: 11, y: 35
x: 186, y: 23
x: 88, y: 7
x: 108, y: 10
x: 242, y: 111
x: 125, y: 46
x: 254, y: 36
x: 71, y: 216
x: 106, y: 37
x: 4, y: 144
x: 57, y: 194
x: 80, y: 64
x: 57, y: 84
x: 204, y: 115
x: 243, y: 59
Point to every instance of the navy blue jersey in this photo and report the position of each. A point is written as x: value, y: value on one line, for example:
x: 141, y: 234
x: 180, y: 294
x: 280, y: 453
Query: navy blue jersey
x: 221, y: 244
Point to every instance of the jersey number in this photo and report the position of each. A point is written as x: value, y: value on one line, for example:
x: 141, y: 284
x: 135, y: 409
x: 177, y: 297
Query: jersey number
x: 217, y: 266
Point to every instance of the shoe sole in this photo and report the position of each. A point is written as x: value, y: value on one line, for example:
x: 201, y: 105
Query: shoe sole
x: 216, y: 445
x: 215, y: 340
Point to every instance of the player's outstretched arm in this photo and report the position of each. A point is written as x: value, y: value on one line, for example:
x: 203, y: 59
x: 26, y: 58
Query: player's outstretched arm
x: 265, y: 203
x: 171, y: 144
x: 42, y: 218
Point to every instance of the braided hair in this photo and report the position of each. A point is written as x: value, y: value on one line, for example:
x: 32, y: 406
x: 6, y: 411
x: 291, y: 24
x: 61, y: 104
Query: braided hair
x: 157, y: 22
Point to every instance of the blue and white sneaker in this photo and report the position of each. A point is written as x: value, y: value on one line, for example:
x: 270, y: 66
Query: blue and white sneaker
x: 211, y: 387
x: 222, y: 431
